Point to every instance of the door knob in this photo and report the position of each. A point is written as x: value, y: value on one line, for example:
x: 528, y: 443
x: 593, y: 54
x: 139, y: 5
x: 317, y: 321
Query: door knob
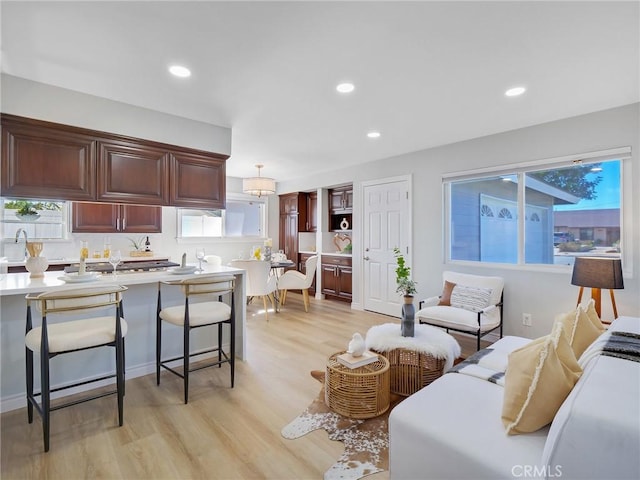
x: 366, y: 258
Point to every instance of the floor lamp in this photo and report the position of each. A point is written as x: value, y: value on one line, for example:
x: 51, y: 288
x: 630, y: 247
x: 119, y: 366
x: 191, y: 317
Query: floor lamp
x: 598, y: 273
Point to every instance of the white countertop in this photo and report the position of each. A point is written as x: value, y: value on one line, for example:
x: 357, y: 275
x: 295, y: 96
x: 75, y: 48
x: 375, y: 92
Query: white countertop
x: 337, y: 254
x: 65, y: 261
x: 22, y: 283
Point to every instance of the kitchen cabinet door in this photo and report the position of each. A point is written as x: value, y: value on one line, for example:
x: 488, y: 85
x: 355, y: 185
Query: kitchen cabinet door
x: 330, y: 280
x: 197, y: 180
x: 44, y: 160
x: 141, y: 219
x: 312, y: 212
x: 131, y: 172
x: 345, y: 289
x: 113, y: 218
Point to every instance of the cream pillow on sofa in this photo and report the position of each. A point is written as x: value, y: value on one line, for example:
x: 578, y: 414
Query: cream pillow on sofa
x: 580, y: 329
x: 593, y: 316
x: 538, y: 379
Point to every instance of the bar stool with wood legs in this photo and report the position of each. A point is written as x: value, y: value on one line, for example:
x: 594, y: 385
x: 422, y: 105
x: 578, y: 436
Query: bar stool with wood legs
x: 203, y: 306
x: 84, y: 331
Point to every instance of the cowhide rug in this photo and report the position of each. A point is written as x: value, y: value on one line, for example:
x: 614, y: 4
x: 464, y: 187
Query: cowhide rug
x: 366, y: 442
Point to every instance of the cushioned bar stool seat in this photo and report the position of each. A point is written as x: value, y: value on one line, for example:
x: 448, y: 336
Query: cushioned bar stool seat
x: 52, y: 339
x: 203, y: 306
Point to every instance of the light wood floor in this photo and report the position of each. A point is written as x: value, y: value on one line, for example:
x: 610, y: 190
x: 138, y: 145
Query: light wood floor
x: 222, y: 433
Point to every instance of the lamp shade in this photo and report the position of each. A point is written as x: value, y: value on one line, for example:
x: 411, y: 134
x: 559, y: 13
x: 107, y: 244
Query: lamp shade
x: 597, y: 272
x: 259, y: 186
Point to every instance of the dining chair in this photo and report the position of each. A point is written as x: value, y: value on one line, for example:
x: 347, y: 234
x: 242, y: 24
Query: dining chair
x: 260, y: 282
x: 213, y: 260
x: 295, y: 280
x: 203, y: 306
x: 96, y: 321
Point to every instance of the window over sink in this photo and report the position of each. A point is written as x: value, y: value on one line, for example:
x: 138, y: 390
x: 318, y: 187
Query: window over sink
x: 40, y: 219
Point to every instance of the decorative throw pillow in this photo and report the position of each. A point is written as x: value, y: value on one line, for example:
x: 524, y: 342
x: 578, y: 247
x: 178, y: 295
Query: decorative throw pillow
x: 470, y: 298
x: 579, y: 329
x: 538, y: 379
x: 445, y: 297
x: 593, y: 315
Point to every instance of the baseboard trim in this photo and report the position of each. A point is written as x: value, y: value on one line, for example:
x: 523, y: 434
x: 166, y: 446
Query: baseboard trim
x: 15, y: 402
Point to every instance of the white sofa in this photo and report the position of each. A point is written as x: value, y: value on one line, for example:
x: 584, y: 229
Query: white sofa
x: 452, y: 429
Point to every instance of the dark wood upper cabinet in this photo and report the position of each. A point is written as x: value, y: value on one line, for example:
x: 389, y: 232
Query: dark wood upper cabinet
x: 341, y: 199
x: 113, y: 218
x: 312, y: 212
x: 198, y: 180
x: 340, y: 208
x: 41, y: 160
x: 132, y: 173
x: 53, y: 161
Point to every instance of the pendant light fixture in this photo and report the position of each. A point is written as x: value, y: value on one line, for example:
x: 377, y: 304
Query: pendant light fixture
x: 259, y: 186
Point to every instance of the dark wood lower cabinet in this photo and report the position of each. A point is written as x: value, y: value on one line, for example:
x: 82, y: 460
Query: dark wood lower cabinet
x: 114, y: 218
x: 337, y: 277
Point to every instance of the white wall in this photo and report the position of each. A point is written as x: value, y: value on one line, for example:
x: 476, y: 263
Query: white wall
x: 46, y: 102
x: 541, y: 293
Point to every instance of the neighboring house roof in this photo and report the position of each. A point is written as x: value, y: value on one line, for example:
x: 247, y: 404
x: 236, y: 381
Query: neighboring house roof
x: 605, y: 217
x: 561, y: 197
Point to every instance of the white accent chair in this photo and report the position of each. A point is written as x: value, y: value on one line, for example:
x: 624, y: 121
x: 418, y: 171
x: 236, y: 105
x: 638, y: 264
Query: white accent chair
x: 101, y: 325
x: 475, y: 308
x: 294, y: 280
x: 260, y: 282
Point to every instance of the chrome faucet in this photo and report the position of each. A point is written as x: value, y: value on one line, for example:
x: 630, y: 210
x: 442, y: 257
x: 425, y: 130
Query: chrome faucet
x: 22, y: 230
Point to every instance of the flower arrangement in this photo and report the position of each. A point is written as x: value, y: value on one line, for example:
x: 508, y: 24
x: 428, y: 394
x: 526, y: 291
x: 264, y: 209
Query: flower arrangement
x: 406, y: 286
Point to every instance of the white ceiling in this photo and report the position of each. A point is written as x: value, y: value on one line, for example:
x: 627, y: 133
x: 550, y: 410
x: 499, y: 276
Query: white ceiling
x: 426, y: 73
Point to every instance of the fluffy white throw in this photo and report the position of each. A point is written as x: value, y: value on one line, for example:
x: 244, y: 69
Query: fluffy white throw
x: 426, y: 339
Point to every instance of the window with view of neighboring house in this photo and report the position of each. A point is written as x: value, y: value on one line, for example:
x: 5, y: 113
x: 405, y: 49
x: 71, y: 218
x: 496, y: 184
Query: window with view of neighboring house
x: 542, y: 213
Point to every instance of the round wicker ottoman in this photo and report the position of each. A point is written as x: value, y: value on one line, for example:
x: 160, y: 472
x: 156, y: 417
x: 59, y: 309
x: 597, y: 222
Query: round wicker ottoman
x: 361, y: 392
x: 414, y: 362
x: 411, y: 371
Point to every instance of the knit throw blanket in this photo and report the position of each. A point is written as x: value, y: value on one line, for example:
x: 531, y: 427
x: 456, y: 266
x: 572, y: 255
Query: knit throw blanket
x: 624, y: 345
x: 486, y: 364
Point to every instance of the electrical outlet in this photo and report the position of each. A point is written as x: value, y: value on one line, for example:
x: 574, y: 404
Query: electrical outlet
x: 526, y: 319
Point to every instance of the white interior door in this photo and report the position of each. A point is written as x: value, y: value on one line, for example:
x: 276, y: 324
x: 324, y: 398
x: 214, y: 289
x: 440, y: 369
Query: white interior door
x: 386, y: 224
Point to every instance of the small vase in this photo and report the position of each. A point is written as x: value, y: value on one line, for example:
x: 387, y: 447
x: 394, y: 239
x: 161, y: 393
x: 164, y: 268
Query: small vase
x: 408, y: 317
x: 36, y: 266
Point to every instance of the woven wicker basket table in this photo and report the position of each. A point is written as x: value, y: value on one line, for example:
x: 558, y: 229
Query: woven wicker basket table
x: 410, y: 368
x: 361, y: 392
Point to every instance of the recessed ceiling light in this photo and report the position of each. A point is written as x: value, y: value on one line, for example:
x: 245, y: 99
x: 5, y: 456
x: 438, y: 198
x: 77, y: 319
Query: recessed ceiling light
x: 345, y: 87
x: 180, y: 71
x: 373, y: 134
x: 515, y: 91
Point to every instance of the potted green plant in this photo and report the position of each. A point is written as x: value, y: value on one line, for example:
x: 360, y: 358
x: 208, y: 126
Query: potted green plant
x: 407, y: 287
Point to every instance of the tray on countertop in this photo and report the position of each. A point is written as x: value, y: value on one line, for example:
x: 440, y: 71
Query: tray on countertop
x: 124, y: 267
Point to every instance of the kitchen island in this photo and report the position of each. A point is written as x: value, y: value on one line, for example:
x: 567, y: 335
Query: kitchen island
x: 139, y: 310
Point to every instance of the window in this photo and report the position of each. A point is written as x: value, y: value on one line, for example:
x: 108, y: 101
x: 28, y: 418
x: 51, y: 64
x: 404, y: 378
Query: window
x: 41, y: 220
x: 241, y: 218
x: 542, y: 213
